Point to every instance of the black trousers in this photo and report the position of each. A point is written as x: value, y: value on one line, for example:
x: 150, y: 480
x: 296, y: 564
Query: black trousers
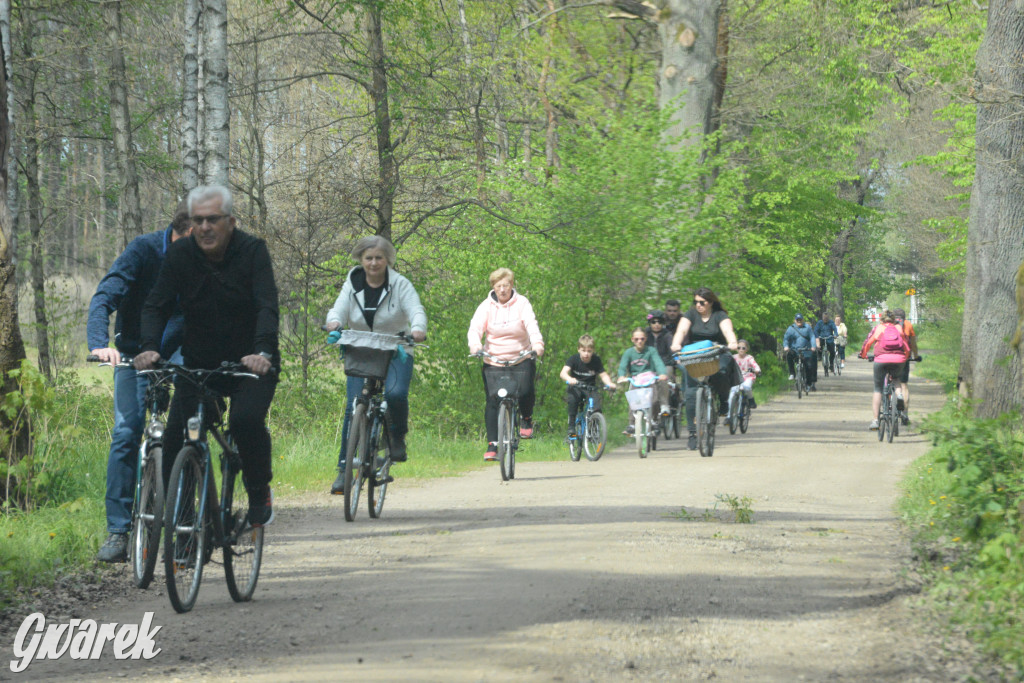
x: 575, y: 398
x: 247, y: 420
x: 526, y: 401
x: 810, y: 364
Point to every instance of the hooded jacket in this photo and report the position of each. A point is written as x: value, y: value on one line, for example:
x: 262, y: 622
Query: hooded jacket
x: 510, y: 327
x: 398, y: 309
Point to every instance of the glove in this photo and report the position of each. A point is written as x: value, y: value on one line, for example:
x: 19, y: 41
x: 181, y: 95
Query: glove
x: 334, y: 336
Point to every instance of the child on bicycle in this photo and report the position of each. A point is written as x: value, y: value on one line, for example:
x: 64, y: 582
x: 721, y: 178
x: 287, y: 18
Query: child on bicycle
x: 748, y: 368
x: 642, y: 358
x: 583, y: 368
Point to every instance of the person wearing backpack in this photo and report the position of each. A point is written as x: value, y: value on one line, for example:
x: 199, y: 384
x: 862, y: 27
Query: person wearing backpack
x: 908, y: 332
x: 891, y: 353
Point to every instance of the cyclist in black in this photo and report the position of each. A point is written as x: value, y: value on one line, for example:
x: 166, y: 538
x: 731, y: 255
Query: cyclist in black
x: 223, y: 281
x: 826, y: 332
x: 660, y: 339
x: 583, y: 368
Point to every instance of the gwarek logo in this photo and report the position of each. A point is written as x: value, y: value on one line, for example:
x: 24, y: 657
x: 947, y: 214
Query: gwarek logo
x: 82, y: 639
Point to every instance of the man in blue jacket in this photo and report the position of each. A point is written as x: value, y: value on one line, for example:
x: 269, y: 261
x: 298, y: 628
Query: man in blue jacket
x: 800, y: 340
x: 124, y: 290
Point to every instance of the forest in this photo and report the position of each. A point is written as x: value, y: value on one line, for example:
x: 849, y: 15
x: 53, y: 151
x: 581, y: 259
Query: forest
x: 793, y: 155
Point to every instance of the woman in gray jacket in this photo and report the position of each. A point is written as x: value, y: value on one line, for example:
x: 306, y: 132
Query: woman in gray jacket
x: 376, y: 298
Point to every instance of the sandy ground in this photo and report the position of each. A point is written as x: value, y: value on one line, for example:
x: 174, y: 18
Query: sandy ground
x: 582, y: 571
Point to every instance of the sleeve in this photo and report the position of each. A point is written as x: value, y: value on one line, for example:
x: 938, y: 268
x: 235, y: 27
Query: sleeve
x: 599, y: 363
x: 414, y: 307
x: 624, y: 363
x: 477, y: 328
x: 109, y: 293
x: 161, y: 302
x: 787, y: 337
x: 265, y: 296
x: 339, y: 312
x: 532, y: 328
x: 659, y: 364
x: 869, y: 341
x: 754, y: 365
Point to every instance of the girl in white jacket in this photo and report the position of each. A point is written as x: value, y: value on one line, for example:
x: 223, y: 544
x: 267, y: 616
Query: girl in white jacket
x: 376, y: 298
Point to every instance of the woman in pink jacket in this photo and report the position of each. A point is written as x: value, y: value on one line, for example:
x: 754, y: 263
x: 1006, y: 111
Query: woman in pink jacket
x: 506, y: 318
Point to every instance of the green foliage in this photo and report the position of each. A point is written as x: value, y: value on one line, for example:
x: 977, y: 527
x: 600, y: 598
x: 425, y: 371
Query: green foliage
x: 966, y: 501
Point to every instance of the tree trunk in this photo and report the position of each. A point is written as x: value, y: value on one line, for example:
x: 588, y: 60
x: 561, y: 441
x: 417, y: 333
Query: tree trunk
x: 129, y: 208
x: 990, y: 369
x: 387, y: 167
x: 190, y: 100
x: 12, y: 162
x: 689, y: 38
x: 217, y: 110
x: 551, y: 132
x: 841, y: 247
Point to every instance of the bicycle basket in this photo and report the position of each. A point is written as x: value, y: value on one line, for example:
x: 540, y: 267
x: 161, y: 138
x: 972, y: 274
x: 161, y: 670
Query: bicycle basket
x: 640, y: 399
x: 367, y: 354
x: 515, y: 380
x: 700, y: 364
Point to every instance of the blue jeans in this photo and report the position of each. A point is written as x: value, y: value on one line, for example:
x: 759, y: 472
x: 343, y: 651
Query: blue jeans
x: 396, y: 391
x: 123, y: 461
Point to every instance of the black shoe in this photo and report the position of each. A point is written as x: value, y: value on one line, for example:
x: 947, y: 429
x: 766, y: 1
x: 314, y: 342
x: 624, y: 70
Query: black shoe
x: 691, y: 443
x: 114, y: 549
x: 814, y: 387
x: 752, y: 403
x: 723, y: 409
x: 261, y: 508
x: 398, y: 453
x: 338, y: 487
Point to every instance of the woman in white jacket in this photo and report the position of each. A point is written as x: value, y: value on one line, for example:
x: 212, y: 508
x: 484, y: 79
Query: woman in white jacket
x: 376, y: 298
x: 507, y: 319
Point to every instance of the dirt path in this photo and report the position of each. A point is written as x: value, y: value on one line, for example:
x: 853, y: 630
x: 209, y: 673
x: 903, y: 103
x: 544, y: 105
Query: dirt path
x: 583, y: 571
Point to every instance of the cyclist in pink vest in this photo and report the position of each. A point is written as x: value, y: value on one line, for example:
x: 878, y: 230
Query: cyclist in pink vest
x: 891, y: 354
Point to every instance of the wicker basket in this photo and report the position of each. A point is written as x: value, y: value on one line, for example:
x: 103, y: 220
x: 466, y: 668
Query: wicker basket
x: 702, y: 364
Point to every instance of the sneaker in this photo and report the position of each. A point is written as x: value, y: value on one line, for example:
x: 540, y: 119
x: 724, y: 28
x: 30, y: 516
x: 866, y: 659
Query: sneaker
x: 691, y: 443
x: 752, y: 403
x: 114, y: 549
x: 629, y: 431
x: 842, y: 365
x: 813, y: 388
x: 338, y: 487
x: 261, y: 508
x: 492, y: 452
x: 526, y: 430
x: 791, y: 378
x: 874, y: 425
x: 398, y: 453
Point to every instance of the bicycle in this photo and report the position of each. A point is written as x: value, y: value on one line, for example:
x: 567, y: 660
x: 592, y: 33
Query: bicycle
x: 591, y: 429
x: 148, y: 505
x: 507, y: 385
x: 739, y: 411
x: 892, y: 412
x: 671, y: 424
x: 800, y: 374
x: 701, y: 361
x: 641, y: 399
x: 368, y: 451
x: 194, y: 516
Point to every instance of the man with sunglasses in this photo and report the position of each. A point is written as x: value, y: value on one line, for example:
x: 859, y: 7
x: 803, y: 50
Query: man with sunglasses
x: 224, y: 282
x: 123, y: 290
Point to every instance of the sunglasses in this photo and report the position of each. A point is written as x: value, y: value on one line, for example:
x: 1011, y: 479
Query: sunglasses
x: 699, y: 302
x: 742, y: 348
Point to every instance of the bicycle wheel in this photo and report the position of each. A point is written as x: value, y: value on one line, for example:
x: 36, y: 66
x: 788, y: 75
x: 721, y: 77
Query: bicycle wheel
x: 184, y: 533
x: 707, y: 416
x: 890, y: 418
x: 355, y: 454
x: 652, y: 432
x: 638, y: 433
x: 506, y: 445
x: 734, y: 412
x: 597, y: 435
x: 148, y: 518
x: 744, y: 414
x: 677, y: 420
x: 380, y: 451
x: 243, y: 544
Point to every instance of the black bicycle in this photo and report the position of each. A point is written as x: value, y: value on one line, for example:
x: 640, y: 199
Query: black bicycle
x: 368, y: 450
x: 892, y: 411
x: 739, y: 411
x: 195, y: 519
x: 671, y: 424
x: 591, y: 431
x: 148, y: 506
x: 700, y: 365
x: 507, y: 385
x: 800, y: 374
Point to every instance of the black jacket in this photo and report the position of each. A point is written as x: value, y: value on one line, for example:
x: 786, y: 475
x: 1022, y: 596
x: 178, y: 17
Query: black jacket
x: 230, y: 307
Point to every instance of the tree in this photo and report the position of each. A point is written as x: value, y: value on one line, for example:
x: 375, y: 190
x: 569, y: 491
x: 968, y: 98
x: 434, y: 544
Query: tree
x: 990, y: 372
x: 217, y: 109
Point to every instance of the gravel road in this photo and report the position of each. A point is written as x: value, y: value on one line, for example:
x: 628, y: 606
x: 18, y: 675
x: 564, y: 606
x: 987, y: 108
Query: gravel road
x: 582, y: 571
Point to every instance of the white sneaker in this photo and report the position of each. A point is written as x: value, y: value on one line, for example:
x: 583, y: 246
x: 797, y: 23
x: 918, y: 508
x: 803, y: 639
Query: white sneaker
x: 791, y: 378
x: 842, y: 365
x: 874, y: 425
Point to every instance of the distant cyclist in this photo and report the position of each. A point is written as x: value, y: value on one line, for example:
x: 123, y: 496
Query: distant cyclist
x: 637, y: 359
x: 799, y: 341
x: 841, y: 339
x: 908, y: 332
x: 891, y: 353
x: 583, y: 369
x: 826, y: 332
x: 660, y: 339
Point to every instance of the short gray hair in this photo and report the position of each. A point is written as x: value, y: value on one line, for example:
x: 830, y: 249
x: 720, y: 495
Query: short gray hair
x: 375, y: 242
x: 204, y: 192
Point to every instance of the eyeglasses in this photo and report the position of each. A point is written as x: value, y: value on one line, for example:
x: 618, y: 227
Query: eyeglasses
x: 216, y: 218
x: 699, y: 302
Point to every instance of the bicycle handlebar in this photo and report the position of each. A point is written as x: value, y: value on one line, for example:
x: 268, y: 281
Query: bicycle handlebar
x: 523, y: 355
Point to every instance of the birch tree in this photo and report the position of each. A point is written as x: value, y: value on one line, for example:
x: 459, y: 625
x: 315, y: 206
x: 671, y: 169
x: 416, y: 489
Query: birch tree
x: 217, y: 107
x: 190, y: 169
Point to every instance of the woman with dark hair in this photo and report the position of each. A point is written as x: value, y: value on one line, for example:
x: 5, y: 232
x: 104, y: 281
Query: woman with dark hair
x: 707, y: 320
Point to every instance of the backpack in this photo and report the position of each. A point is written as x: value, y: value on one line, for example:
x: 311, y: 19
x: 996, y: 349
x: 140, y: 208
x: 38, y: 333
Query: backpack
x: 892, y: 341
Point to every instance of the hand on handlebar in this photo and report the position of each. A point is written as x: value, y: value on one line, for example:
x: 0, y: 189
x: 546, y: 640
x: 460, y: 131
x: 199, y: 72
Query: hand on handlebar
x: 146, y: 360
x: 257, y: 364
